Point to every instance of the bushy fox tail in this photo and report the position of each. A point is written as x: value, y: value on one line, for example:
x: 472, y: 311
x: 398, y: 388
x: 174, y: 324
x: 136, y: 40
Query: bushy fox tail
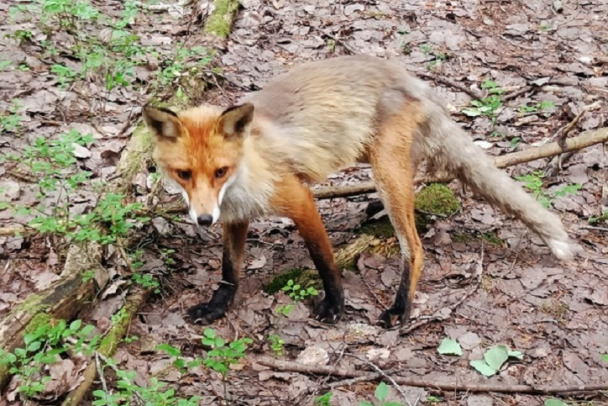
x: 450, y: 148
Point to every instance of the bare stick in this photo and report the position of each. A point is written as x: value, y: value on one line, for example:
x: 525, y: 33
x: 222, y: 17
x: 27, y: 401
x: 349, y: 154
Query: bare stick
x: 440, y: 79
x: 384, y: 374
x: 501, y: 387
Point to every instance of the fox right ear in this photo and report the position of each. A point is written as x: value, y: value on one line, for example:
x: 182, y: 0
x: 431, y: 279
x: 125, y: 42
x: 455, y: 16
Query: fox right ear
x: 235, y: 120
x: 162, y: 122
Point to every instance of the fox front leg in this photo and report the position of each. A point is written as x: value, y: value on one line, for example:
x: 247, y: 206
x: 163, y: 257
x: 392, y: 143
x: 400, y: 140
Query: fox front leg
x: 294, y: 200
x: 235, y: 236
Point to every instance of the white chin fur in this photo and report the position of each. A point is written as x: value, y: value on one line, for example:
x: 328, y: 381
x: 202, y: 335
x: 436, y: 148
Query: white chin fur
x: 193, y: 216
x: 215, y: 214
x: 561, y: 249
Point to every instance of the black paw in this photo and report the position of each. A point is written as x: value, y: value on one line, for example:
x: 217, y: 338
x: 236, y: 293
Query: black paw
x: 393, y: 317
x: 330, y: 310
x: 206, y: 313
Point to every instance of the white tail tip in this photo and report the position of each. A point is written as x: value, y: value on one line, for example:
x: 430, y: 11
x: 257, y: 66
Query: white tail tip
x: 562, y: 249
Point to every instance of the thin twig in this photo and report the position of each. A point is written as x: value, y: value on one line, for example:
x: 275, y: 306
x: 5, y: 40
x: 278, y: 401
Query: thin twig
x: 385, y: 375
x: 449, y: 82
x: 352, y: 381
x: 102, y: 378
x: 518, y: 45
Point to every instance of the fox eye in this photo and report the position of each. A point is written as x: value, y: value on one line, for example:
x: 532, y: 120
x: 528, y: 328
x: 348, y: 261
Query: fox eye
x: 184, y: 175
x: 220, y: 173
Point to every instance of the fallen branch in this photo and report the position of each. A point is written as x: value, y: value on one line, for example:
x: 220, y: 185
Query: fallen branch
x: 62, y: 300
x: 108, y: 345
x: 221, y: 18
x: 66, y: 297
x: 431, y: 383
x: 586, y: 139
x: 13, y: 230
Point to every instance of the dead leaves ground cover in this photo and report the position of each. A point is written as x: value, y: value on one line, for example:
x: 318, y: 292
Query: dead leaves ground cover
x: 549, y: 66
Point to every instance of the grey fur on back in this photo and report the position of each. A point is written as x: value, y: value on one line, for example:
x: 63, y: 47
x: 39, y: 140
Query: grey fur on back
x: 324, y: 115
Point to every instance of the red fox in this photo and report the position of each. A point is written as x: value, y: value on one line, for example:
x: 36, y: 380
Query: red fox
x: 259, y: 157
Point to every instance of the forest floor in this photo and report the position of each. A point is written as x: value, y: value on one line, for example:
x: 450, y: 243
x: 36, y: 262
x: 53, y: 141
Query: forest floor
x: 88, y: 70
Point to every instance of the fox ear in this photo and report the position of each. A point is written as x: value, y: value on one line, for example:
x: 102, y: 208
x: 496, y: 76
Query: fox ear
x: 235, y: 120
x: 163, y: 122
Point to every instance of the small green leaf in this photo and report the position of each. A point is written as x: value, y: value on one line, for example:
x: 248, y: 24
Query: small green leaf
x: 495, y: 357
x: 381, y: 391
x: 169, y: 349
x: 449, y: 347
x: 554, y: 402
x: 482, y: 367
x: 605, y: 357
x: 516, y: 354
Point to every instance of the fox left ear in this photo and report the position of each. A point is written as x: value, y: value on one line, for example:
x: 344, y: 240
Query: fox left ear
x: 163, y: 122
x: 234, y: 120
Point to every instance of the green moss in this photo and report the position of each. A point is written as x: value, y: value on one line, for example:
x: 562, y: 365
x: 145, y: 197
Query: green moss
x: 220, y: 20
x: 381, y: 228
x: 113, y: 337
x: 437, y: 199
x: 304, y: 277
x: 489, y: 237
x: 40, y: 319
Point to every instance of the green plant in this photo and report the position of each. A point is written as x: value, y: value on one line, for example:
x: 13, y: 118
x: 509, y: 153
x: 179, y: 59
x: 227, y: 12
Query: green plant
x: 380, y: 394
x: 22, y: 36
x: 276, y: 344
x: 487, y: 106
x: 88, y: 275
x: 4, y: 65
x: 222, y: 354
x: 494, y: 359
x: 155, y: 393
x: 605, y: 357
x: 543, y: 106
x: 68, y: 14
x: 146, y: 281
x: 432, y: 399
x: 323, y: 400
x: 10, y: 120
x: 533, y: 181
x: 178, y: 66
x: 426, y: 49
x: 44, y: 346
x: 53, y: 163
x: 180, y: 363
x: 297, y: 293
x: 284, y: 309
x: 599, y: 219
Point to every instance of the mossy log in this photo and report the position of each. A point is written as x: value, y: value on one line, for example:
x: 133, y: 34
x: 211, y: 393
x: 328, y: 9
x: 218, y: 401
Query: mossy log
x: 69, y: 295
x: 345, y: 258
x: 109, y: 344
x: 221, y: 18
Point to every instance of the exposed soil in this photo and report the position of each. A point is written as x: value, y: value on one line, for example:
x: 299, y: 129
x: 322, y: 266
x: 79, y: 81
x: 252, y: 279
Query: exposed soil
x: 555, y: 313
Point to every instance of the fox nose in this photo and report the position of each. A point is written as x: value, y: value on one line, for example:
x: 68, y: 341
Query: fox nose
x: 204, y: 220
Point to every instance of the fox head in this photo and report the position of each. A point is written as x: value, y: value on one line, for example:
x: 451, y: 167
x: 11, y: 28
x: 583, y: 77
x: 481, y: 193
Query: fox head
x: 200, y: 149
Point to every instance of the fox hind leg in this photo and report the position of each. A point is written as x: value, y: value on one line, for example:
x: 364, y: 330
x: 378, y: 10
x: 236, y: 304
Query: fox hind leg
x: 393, y: 170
